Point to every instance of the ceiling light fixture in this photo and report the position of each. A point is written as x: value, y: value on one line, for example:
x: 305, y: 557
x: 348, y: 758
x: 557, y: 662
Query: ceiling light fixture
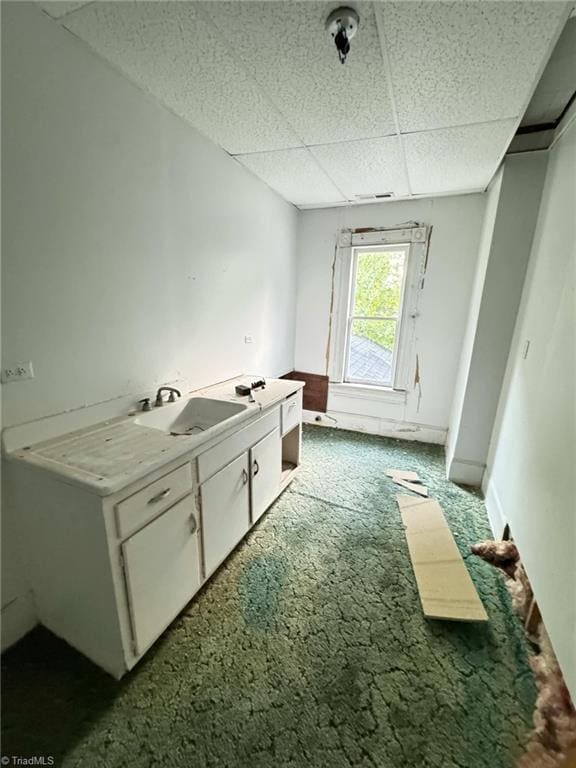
x: 342, y: 24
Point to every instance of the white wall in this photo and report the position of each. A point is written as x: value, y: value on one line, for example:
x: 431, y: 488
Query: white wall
x: 529, y: 480
x: 135, y: 252
x: 488, y: 224
x: 444, y: 302
x: 509, y: 223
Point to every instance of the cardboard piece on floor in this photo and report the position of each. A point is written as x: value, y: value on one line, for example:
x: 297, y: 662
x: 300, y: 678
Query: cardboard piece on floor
x: 421, y: 490
x: 403, y: 474
x: 445, y: 587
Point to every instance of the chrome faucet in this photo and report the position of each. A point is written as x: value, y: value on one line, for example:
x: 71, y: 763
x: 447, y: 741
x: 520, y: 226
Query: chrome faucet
x: 171, y: 399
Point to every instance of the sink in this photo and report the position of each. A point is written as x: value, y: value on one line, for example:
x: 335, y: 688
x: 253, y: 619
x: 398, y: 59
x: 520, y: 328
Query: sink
x: 201, y: 413
x: 192, y: 417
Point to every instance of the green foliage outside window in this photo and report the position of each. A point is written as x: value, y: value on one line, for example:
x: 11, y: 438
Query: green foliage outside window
x: 378, y: 294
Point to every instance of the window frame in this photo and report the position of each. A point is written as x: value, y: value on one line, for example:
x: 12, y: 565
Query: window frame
x: 415, y: 239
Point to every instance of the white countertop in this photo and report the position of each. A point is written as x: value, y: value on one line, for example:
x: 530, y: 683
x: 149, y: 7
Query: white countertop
x: 110, y: 455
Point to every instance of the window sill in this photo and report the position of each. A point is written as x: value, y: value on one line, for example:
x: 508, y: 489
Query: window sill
x: 368, y: 392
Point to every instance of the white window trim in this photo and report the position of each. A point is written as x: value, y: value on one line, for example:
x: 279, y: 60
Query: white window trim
x: 416, y: 237
x: 381, y: 395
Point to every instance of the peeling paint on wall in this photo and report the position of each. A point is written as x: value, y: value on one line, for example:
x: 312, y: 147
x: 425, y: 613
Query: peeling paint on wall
x: 331, y: 309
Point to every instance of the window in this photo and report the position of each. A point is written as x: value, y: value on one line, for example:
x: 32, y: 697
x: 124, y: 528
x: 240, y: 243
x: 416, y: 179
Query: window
x: 375, y: 314
x: 377, y: 279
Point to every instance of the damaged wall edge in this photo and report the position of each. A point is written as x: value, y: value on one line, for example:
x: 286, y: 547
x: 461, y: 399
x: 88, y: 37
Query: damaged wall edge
x: 375, y: 425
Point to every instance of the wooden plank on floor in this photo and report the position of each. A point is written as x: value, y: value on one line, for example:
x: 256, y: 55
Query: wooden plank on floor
x: 421, y: 490
x: 403, y: 474
x: 445, y: 587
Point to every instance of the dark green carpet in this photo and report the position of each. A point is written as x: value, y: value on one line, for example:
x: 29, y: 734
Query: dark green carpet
x: 308, y: 648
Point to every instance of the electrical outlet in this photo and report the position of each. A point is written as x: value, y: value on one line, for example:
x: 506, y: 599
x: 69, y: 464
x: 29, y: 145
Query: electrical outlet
x: 248, y: 339
x: 17, y: 372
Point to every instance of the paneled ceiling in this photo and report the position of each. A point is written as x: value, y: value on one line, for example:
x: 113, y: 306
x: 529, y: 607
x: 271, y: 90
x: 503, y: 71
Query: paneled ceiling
x: 426, y: 104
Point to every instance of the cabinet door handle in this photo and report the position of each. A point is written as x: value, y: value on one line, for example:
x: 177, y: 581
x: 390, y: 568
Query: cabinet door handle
x: 256, y: 467
x: 193, y: 524
x: 244, y: 477
x: 292, y: 405
x: 159, y: 496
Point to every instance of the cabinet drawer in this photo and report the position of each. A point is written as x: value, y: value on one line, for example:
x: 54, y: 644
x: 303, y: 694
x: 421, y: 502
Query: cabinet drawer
x: 291, y: 412
x: 143, y: 505
x: 214, y: 459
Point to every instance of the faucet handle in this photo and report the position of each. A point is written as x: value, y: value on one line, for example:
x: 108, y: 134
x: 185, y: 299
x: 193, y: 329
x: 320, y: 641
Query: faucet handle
x: 145, y: 404
x: 172, y: 396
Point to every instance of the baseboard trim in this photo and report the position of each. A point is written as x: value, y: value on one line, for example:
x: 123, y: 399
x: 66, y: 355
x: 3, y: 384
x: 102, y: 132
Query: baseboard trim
x: 465, y: 472
x: 496, y: 516
x: 372, y: 425
x: 18, y: 618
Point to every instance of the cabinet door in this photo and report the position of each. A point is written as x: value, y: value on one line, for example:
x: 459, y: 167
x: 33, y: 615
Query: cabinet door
x: 162, y: 566
x: 225, y: 511
x: 265, y: 466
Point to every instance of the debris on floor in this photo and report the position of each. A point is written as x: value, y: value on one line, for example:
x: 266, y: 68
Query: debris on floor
x: 552, y: 743
x: 421, y: 490
x: 403, y: 474
x: 504, y: 556
x: 407, y: 479
x: 500, y: 554
x: 444, y: 584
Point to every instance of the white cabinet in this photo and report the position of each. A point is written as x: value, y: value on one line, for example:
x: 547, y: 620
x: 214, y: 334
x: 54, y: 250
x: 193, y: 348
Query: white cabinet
x: 162, y: 571
x: 110, y: 571
x: 236, y: 496
x: 266, y: 467
x: 225, y: 503
x: 210, y: 461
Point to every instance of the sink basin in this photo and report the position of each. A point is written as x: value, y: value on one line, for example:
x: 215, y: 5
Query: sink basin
x: 192, y: 417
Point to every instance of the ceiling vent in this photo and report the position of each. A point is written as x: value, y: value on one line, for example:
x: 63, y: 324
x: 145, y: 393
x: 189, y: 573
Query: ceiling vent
x: 379, y: 196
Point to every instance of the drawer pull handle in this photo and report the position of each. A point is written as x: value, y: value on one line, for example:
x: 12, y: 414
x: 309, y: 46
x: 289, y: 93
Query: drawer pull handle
x: 244, y: 477
x: 292, y: 405
x: 159, y: 496
x: 193, y: 524
x: 256, y: 467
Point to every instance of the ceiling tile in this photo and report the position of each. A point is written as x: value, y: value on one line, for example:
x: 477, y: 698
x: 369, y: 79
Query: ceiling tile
x: 370, y: 167
x: 58, y: 8
x: 293, y: 58
x: 175, y: 54
x: 455, y: 63
x: 456, y: 159
x: 295, y: 175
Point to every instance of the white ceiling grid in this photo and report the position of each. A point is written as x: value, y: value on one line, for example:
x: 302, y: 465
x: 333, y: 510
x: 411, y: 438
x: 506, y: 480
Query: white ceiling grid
x: 59, y: 8
x: 427, y: 102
